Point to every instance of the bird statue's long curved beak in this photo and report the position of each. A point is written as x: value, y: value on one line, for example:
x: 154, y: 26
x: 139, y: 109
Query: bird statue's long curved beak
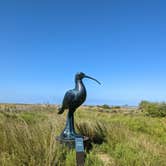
x: 92, y: 79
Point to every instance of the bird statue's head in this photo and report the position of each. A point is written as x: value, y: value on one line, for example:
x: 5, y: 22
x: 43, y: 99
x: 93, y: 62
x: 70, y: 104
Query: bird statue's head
x: 81, y: 75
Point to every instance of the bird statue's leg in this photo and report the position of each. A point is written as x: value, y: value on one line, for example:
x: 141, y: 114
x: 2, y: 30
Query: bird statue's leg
x: 72, y: 124
x: 69, y: 131
x: 71, y: 119
x: 69, y: 128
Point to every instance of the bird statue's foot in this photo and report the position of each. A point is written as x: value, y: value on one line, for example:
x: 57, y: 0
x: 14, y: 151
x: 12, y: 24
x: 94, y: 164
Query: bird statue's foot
x: 70, y: 136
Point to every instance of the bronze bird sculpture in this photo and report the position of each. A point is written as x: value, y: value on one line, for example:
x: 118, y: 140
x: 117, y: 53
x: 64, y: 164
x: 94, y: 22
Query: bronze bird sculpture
x: 72, y: 100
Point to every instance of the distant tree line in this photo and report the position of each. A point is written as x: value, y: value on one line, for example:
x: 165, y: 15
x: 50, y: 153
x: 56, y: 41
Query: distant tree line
x: 105, y: 106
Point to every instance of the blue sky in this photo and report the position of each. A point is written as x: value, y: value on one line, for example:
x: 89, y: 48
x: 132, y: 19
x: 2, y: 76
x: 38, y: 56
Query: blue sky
x: 121, y: 43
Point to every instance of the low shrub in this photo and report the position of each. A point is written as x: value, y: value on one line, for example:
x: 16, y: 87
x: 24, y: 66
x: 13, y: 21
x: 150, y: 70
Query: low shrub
x: 153, y: 109
x: 105, y: 106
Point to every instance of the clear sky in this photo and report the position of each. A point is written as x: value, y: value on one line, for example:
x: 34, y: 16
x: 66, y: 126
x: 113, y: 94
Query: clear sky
x: 122, y: 43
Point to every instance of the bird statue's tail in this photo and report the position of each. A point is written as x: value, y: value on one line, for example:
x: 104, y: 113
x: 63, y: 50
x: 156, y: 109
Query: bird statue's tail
x: 60, y: 110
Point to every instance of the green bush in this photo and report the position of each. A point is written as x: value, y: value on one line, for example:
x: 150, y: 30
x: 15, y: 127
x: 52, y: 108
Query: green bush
x: 105, y: 106
x: 153, y: 109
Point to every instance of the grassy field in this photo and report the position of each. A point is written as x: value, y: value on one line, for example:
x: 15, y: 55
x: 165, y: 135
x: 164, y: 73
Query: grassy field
x: 120, y: 137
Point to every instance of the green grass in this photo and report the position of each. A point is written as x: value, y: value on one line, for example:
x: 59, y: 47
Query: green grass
x: 27, y: 137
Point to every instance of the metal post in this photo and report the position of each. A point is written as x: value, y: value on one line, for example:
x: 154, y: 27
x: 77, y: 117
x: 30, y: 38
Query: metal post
x: 80, y: 154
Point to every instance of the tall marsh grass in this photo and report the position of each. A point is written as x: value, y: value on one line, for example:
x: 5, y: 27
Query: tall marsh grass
x: 28, y: 138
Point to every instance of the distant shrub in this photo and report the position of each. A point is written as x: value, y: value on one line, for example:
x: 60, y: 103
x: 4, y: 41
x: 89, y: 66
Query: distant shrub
x: 153, y: 109
x: 105, y: 106
x: 115, y: 107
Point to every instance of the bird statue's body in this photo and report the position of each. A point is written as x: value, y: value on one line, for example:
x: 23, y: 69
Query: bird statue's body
x: 72, y: 100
